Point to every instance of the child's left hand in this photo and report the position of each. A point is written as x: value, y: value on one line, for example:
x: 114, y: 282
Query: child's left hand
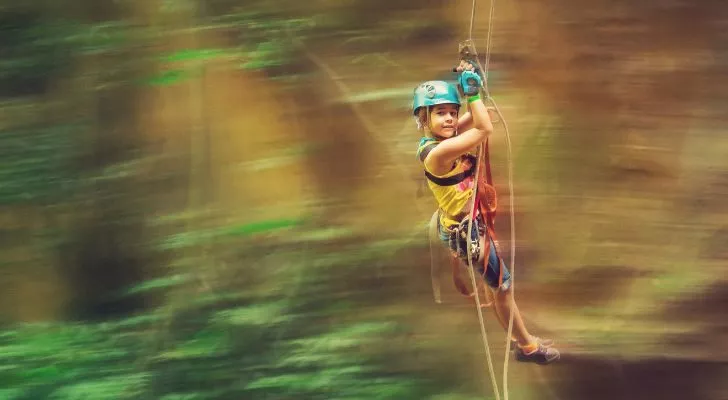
x: 470, y: 82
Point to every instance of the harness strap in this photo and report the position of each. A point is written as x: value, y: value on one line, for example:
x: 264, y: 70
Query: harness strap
x: 486, y: 201
x: 426, y: 150
x: 450, y: 180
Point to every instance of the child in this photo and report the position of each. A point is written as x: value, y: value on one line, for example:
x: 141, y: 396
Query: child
x: 445, y: 151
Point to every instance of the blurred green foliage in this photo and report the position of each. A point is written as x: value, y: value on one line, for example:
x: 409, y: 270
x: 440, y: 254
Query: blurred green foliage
x: 38, y: 165
x: 262, y: 309
x: 233, y: 342
x: 236, y: 340
x: 33, y: 51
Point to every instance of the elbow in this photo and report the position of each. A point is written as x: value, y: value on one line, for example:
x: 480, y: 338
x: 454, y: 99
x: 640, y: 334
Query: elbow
x: 484, y: 130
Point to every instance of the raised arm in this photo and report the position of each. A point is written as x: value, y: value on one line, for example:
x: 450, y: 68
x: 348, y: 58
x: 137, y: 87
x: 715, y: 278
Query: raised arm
x: 440, y: 159
x: 465, y: 121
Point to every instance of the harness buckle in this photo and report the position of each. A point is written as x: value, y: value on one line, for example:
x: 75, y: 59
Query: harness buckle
x: 458, y: 238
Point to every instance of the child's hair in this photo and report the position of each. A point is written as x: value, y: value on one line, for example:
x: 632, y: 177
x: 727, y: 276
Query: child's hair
x: 421, y: 119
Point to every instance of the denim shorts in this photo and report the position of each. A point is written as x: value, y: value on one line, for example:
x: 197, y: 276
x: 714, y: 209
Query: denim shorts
x: 495, y: 263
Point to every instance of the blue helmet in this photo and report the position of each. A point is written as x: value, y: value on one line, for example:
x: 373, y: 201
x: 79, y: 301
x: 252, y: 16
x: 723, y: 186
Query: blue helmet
x: 431, y: 93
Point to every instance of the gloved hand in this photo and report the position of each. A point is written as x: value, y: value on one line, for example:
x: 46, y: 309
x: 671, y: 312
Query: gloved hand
x: 470, y: 82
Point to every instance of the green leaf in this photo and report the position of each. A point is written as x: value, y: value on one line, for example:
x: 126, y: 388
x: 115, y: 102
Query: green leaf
x: 262, y: 226
x: 187, y: 239
x: 183, y: 396
x: 192, y: 55
x: 11, y: 394
x: 194, y: 238
x: 160, y: 283
x: 138, y: 321
x: 44, y: 373
x: 327, y: 379
x: 208, y: 343
x: 117, y: 387
x: 167, y: 78
x: 258, y: 314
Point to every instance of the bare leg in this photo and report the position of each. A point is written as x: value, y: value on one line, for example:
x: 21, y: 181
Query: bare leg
x: 529, y: 349
x: 503, y: 306
x: 503, y: 322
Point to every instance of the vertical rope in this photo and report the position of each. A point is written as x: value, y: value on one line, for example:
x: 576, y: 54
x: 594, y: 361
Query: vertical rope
x: 472, y: 21
x: 471, y: 270
x: 488, y: 41
x: 513, y: 253
x: 509, y: 160
x: 511, y: 195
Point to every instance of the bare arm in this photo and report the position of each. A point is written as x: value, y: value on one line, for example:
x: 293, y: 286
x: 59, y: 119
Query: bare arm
x: 465, y: 122
x: 440, y: 159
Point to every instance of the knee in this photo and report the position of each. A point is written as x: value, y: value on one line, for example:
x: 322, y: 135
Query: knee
x: 503, y: 293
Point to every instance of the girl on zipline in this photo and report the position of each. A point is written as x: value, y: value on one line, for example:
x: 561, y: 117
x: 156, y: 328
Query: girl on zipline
x: 445, y: 151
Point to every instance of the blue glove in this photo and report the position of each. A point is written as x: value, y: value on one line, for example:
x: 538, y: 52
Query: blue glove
x: 470, y: 82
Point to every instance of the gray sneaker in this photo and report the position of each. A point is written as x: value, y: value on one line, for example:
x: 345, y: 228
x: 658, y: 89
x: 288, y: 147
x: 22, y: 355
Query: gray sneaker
x: 543, y: 355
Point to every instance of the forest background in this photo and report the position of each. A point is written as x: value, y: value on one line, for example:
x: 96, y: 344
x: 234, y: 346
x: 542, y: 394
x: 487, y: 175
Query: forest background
x: 217, y: 199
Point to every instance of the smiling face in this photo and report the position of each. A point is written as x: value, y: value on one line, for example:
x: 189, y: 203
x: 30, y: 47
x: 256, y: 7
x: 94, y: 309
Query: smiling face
x: 444, y: 120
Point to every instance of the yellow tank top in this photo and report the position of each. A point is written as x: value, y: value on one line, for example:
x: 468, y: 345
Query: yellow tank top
x: 453, y: 200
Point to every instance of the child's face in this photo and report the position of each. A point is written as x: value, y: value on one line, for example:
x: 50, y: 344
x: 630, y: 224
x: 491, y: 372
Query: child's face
x: 444, y: 120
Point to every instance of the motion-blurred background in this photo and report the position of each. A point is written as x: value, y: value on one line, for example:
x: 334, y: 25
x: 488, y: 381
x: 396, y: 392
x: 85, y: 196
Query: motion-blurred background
x: 218, y: 199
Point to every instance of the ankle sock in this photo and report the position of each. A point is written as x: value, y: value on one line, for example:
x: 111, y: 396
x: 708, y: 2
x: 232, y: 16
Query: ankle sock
x: 529, y: 348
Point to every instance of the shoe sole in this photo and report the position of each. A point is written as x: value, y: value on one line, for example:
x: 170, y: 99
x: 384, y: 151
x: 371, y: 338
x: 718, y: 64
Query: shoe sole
x: 538, y: 361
